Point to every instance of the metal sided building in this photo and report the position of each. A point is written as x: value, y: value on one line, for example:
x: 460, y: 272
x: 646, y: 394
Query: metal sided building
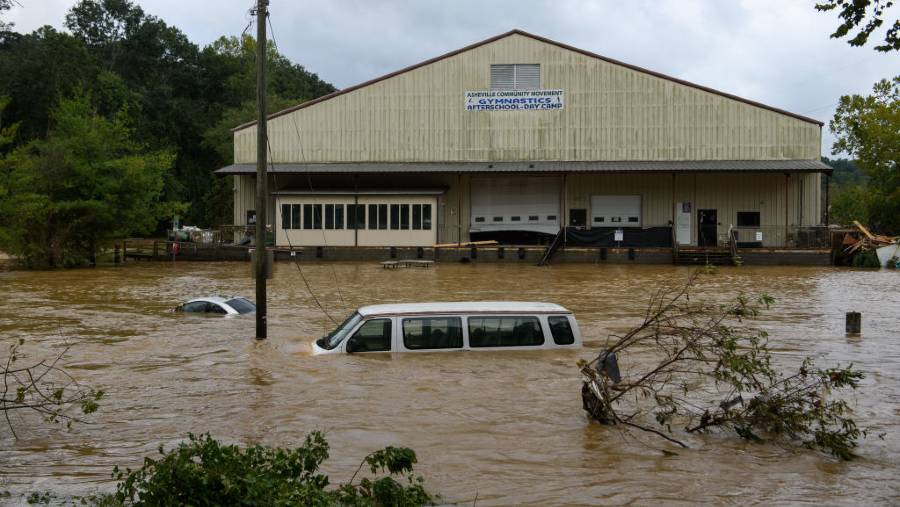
x: 518, y: 136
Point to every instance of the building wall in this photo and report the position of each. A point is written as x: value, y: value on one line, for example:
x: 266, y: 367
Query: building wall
x: 783, y: 201
x: 611, y: 113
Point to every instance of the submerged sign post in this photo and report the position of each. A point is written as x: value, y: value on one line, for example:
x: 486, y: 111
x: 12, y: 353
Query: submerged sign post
x: 515, y: 100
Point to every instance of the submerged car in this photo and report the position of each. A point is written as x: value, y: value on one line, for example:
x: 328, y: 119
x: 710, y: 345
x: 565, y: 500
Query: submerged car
x: 218, y: 305
x: 476, y: 325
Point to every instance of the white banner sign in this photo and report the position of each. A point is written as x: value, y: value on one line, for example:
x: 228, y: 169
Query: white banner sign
x: 515, y: 100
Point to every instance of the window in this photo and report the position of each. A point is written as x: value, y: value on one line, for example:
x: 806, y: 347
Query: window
x: 532, y: 218
x: 505, y: 332
x: 599, y: 219
x: 515, y: 219
x: 426, y: 217
x: 334, y: 216
x: 290, y: 216
x: 518, y: 76
x: 498, y: 219
x: 241, y: 305
x: 561, y: 330
x: 551, y: 217
x: 633, y: 220
x: 615, y: 219
x: 395, y: 216
x: 329, y: 216
x: 317, y: 216
x: 373, y: 336
x: 748, y: 219
x: 421, y: 217
x: 295, y: 216
x: 382, y: 216
x: 404, y: 217
x: 307, y: 216
x: 373, y: 216
x: 432, y: 333
x: 285, y: 216
x: 477, y: 219
x: 338, y: 216
x: 194, y: 307
x: 356, y: 216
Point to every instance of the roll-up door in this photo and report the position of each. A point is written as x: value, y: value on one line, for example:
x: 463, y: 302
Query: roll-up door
x: 515, y: 203
x: 615, y: 211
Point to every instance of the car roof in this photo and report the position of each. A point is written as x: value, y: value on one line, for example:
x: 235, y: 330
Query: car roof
x: 214, y: 299
x: 482, y: 307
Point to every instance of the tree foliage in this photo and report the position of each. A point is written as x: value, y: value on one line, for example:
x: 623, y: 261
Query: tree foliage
x: 868, y: 128
x: 203, y: 471
x: 710, y: 371
x: 88, y: 181
x: 866, y: 16
x: 172, y: 94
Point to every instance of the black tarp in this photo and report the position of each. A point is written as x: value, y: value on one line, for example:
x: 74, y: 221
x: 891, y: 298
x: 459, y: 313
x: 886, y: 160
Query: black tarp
x: 631, y: 237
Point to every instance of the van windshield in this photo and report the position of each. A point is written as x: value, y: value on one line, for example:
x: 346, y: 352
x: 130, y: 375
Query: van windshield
x: 334, y: 338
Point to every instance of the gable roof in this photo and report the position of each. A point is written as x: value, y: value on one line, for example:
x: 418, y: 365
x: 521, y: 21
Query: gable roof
x: 546, y: 41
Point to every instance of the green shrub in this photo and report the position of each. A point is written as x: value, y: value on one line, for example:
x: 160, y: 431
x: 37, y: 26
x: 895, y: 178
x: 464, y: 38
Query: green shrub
x: 867, y: 259
x: 204, y: 472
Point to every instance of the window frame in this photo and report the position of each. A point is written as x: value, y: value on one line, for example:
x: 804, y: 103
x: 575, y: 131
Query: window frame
x: 448, y: 318
x: 568, y: 322
x: 362, y: 324
x: 501, y: 317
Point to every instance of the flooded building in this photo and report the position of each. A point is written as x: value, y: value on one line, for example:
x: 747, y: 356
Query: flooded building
x: 517, y: 137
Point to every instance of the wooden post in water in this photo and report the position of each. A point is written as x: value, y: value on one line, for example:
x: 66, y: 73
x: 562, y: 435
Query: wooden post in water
x: 261, y: 177
x: 854, y: 323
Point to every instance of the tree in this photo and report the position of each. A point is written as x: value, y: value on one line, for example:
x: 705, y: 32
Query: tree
x: 870, y: 12
x: 44, y: 388
x: 868, y: 128
x: 89, y: 181
x: 203, y: 471
x: 704, y: 370
x: 5, y: 5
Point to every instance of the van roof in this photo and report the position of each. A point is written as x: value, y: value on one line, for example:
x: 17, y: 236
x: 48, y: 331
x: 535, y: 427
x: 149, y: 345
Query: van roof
x: 462, y: 307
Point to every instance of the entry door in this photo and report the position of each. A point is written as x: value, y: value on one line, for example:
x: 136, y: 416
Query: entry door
x: 707, y: 229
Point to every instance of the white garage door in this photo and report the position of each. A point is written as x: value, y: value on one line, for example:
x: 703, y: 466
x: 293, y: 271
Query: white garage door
x: 615, y: 211
x: 515, y: 203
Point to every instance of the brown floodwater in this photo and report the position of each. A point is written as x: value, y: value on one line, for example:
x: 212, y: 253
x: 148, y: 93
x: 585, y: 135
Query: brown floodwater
x: 506, y: 426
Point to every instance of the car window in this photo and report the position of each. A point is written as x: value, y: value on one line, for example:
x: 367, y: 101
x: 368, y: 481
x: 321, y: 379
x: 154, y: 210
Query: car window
x: 561, y: 330
x: 241, y: 305
x: 216, y: 308
x: 195, y: 307
x: 505, y: 331
x: 373, y: 336
x: 432, y: 333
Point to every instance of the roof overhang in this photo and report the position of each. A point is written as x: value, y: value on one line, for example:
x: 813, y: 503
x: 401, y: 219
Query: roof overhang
x: 677, y: 166
x: 367, y: 191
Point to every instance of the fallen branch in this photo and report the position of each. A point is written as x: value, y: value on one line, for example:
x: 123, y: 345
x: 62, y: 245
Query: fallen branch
x: 711, y: 371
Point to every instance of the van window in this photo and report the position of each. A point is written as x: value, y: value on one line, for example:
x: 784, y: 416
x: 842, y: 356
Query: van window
x: 561, y: 330
x: 432, y: 333
x: 505, y: 331
x: 373, y: 336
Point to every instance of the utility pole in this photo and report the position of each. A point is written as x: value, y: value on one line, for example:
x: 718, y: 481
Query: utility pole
x: 262, y: 257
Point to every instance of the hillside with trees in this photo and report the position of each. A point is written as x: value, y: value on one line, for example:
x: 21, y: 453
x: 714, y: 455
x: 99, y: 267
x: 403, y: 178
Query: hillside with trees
x: 160, y: 92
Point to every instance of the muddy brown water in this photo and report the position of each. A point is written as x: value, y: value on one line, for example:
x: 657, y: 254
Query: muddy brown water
x: 506, y: 426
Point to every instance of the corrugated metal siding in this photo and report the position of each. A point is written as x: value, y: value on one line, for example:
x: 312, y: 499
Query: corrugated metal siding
x: 611, y: 113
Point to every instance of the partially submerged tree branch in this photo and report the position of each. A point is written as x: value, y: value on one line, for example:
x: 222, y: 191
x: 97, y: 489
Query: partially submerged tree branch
x: 711, y: 371
x: 43, y: 388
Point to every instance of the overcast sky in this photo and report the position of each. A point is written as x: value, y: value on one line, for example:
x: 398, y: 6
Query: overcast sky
x: 773, y: 51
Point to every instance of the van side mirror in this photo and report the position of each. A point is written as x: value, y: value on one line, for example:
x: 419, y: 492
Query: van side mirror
x: 355, y: 345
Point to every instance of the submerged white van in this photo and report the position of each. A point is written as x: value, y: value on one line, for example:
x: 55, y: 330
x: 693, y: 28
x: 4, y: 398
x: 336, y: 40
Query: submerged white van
x: 430, y: 327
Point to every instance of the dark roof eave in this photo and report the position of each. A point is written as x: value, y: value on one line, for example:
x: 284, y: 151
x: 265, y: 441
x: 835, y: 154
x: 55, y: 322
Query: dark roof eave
x: 538, y: 38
